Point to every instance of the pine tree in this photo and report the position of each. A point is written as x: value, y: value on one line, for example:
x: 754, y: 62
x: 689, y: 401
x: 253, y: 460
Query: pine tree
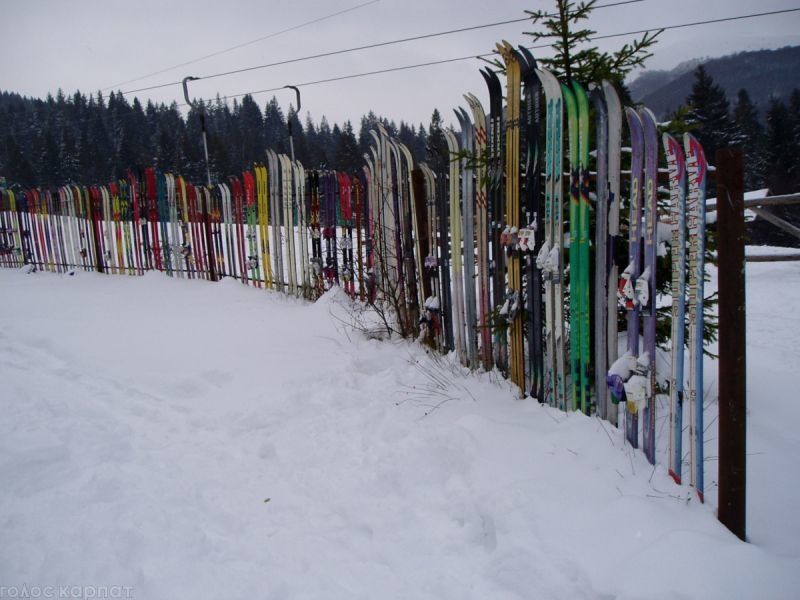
x: 336, y: 136
x: 408, y: 137
x: 68, y: 157
x: 251, y: 127
x: 782, y: 149
x: 794, y: 117
x: 348, y: 158
x: 420, y: 142
x: 437, y: 151
x: 709, y: 111
x: 325, y: 142
x: 390, y: 127
x: 171, y: 129
x: 49, y: 166
x: 134, y: 130
x: 219, y: 145
x: 315, y: 157
x: 194, y: 167
x: 298, y: 137
x: 85, y: 157
x: 275, y: 135
x: 750, y: 135
x: 783, y: 172
x: 18, y: 165
x: 96, y: 139
x: 368, y: 122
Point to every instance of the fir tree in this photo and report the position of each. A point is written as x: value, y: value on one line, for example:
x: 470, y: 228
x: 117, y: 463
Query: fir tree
x: 782, y: 150
x: 783, y: 172
x: 336, y: 135
x: 420, y: 142
x: 408, y: 137
x: 49, y: 166
x: 325, y: 142
x: 251, y: 128
x: 709, y: 111
x: 750, y: 135
x: 195, y: 165
x: 574, y: 59
x: 18, y: 164
x: 315, y: 156
x: 275, y: 135
x: 297, y: 138
x: 794, y: 117
x: 85, y: 156
x: 68, y: 157
x: 368, y: 122
x: 437, y: 151
x: 348, y: 158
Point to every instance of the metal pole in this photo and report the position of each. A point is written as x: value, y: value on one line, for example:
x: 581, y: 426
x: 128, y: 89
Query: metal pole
x: 205, y: 147
x: 732, y: 341
x: 207, y: 217
x: 289, y: 122
x: 202, y: 123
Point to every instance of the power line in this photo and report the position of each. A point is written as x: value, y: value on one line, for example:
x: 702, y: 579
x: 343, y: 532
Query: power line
x: 488, y: 54
x: 364, y: 47
x: 357, y: 75
x: 681, y: 25
x: 337, y: 52
x: 720, y: 20
x: 242, y: 45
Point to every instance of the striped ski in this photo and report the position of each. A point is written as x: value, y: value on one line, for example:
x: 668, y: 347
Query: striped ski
x: 676, y: 165
x: 697, y: 169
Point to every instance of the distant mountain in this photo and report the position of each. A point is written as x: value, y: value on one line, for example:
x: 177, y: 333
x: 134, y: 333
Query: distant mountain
x: 649, y: 81
x: 763, y: 73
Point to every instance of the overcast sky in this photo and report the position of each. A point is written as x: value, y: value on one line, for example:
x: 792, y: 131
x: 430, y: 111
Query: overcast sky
x: 93, y: 44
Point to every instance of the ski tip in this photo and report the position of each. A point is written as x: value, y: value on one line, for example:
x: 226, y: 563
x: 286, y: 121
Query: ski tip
x: 675, y: 476
x: 525, y: 52
x: 578, y: 88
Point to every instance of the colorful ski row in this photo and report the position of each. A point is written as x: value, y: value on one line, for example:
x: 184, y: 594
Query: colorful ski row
x: 256, y: 227
x: 491, y: 254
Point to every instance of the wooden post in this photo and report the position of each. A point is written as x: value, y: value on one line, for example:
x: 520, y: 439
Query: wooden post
x: 732, y: 325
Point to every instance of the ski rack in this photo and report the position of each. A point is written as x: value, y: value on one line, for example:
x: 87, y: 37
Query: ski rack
x: 475, y: 252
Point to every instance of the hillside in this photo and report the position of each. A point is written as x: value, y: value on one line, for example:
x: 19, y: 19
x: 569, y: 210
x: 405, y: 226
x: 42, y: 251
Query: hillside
x: 763, y: 73
x: 184, y: 439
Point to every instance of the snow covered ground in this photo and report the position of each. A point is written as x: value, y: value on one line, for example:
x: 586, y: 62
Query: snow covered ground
x: 194, y: 440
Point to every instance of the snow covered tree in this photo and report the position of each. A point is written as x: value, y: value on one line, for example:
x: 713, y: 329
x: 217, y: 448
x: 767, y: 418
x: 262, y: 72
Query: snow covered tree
x: 348, y: 157
x: 368, y: 122
x: 97, y: 138
x: 68, y: 157
x: 298, y: 136
x: 782, y: 150
x: 325, y: 142
x: 794, y: 116
x: 275, y: 135
x: 17, y: 164
x: 415, y: 142
x: 709, y: 112
x: 251, y: 128
x: 437, y: 152
x: 750, y: 135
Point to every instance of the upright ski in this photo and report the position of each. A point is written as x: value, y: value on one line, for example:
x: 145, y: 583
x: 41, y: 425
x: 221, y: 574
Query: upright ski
x: 677, y: 196
x: 614, y: 110
x: 646, y: 285
x: 697, y: 169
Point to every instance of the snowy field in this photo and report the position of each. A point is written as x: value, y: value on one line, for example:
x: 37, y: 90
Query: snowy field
x: 189, y: 440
